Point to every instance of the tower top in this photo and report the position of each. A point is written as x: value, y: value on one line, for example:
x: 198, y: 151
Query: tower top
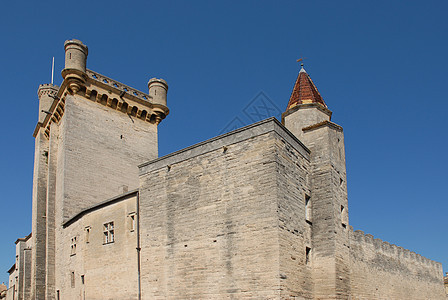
x: 77, y: 44
x: 304, y: 91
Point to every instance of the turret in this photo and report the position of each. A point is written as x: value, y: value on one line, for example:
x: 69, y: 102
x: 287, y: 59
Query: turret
x: 75, y: 64
x: 308, y: 118
x: 306, y: 107
x: 46, y: 94
x: 158, y: 89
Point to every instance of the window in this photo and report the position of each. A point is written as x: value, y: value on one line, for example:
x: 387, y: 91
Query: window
x: 73, y: 246
x: 343, y: 217
x: 82, y: 279
x: 72, y: 279
x: 109, y: 236
x: 132, y: 221
x: 307, y: 255
x: 87, y: 234
x: 308, y: 209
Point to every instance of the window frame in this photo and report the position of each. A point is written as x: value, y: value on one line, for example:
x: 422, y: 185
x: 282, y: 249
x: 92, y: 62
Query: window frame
x: 108, y: 233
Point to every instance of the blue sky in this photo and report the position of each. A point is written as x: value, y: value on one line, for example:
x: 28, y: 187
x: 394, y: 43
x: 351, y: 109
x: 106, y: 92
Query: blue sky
x: 379, y: 65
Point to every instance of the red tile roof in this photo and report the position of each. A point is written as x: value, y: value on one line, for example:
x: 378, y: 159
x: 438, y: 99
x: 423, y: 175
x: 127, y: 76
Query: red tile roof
x: 304, y: 91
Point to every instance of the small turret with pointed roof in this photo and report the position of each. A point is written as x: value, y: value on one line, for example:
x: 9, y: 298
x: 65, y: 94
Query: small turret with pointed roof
x: 304, y: 91
x: 306, y: 107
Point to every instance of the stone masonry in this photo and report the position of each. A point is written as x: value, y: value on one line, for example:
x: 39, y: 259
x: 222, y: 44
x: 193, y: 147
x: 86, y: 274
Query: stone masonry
x: 257, y: 213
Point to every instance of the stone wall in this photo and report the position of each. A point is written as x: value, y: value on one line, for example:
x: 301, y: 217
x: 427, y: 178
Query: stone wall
x: 445, y: 281
x: 210, y: 227
x: 39, y: 207
x: 96, y: 269
x: 20, y: 276
x: 94, y: 150
x: 293, y: 186
x: 102, y: 148
x: 380, y: 270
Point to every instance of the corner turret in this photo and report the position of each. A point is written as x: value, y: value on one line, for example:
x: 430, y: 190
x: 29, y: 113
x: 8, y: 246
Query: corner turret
x: 158, y: 89
x: 75, y: 64
x: 46, y: 93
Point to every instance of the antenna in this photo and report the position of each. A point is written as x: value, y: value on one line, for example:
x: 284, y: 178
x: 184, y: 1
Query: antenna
x: 52, y: 71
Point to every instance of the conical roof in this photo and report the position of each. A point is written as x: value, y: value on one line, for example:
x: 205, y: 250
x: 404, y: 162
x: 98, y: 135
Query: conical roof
x: 304, y: 91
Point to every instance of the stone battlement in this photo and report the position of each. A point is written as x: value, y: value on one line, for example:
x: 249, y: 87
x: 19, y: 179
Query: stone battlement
x: 118, y: 85
x: 358, y: 236
x: 47, y: 89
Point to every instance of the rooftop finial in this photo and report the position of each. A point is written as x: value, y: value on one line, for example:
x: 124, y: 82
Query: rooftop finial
x: 299, y: 60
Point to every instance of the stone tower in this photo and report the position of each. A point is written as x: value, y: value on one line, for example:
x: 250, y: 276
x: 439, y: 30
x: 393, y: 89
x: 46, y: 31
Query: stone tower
x: 309, y: 119
x: 46, y: 94
x: 92, y: 134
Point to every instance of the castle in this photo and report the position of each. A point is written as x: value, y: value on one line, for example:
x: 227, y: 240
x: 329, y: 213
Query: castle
x: 257, y: 213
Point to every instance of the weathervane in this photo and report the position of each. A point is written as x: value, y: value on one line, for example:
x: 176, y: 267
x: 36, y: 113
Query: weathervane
x: 301, y: 60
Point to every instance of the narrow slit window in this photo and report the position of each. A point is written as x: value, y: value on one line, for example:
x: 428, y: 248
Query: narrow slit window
x: 72, y: 279
x: 308, y: 209
x: 307, y: 255
x: 87, y: 233
x: 343, y: 217
x: 132, y: 220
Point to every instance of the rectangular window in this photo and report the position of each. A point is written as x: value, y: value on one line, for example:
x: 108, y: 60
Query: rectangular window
x: 72, y: 279
x: 73, y: 246
x: 308, y: 208
x: 82, y: 279
x: 109, y: 236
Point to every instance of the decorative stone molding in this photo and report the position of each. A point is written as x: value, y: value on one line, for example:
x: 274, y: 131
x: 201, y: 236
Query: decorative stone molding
x: 47, y: 89
x: 321, y: 124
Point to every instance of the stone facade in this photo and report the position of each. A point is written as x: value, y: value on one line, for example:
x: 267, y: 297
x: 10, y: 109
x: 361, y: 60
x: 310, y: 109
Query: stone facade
x: 20, y: 273
x: 445, y: 281
x: 101, y: 247
x: 257, y: 213
x: 380, y: 270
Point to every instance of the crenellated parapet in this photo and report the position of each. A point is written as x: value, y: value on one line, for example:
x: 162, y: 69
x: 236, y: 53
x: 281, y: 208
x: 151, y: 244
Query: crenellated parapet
x: 359, y: 238
x: 47, y: 89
